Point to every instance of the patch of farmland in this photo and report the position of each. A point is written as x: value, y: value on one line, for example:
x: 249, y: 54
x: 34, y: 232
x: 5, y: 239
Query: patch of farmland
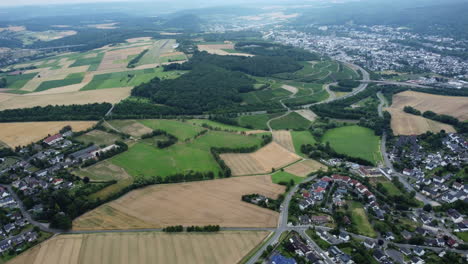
x: 98, y: 137
x: 108, y: 61
x: 408, y: 124
x: 156, y: 50
x: 144, y: 248
x: 220, y: 49
x: 272, y: 156
x: 302, y: 138
x: 103, y: 171
x: 283, y: 137
x: 305, y: 167
x: 217, y: 125
x: 181, y: 130
x: 18, y: 81
x: 256, y: 121
x: 130, y: 127
x: 355, y: 141
x: 146, y: 160
x: 24, y: 133
x: 291, y: 121
x: 456, y: 106
x: 217, y: 202
x: 128, y: 78
x: 307, y: 114
x: 74, y: 78
x: 112, y: 96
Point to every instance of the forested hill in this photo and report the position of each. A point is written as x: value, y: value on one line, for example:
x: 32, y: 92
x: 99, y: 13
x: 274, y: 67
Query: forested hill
x: 206, y: 87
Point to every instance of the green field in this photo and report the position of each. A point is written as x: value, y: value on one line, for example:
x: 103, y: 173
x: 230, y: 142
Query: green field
x: 355, y: 141
x: 92, y: 62
x: 282, y: 176
x: 18, y: 81
x: 292, y: 121
x: 216, y: 125
x: 263, y: 96
x: 462, y: 235
x: 391, y: 188
x: 256, y: 121
x: 128, y: 78
x: 98, y: 137
x: 301, y: 138
x: 73, y: 78
x: 172, y: 58
x: 181, y: 130
x: 360, y: 220
x: 145, y: 160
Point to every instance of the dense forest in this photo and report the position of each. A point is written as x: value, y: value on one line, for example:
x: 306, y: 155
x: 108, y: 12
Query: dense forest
x: 276, y: 50
x: 205, y: 88
x: 257, y: 65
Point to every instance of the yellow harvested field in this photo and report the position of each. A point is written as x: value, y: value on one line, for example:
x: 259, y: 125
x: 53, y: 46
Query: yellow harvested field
x: 130, y: 127
x: 456, y: 106
x: 21, y: 134
x: 218, y: 49
x: 214, y: 202
x: 262, y: 161
x: 307, y: 114
x: 144, y: 247
x: 305, y: 167
x: 111, y: 95
x: 284, y: 138
x: 407, y: 124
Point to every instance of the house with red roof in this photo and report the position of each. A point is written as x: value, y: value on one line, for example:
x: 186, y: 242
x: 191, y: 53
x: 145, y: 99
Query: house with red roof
x: 53, y: 139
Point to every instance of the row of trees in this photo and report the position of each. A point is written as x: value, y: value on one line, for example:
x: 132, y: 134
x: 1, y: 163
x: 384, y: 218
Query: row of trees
x: 132, y: 63
x: 54, y: 113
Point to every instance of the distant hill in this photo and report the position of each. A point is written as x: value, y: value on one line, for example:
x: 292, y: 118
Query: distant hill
x: 446, y: 18
x: 187, y: 22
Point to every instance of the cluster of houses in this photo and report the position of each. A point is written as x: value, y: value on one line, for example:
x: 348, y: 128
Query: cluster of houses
x: 12, y: 224
x: 440, y: 188
x: 315, y: 193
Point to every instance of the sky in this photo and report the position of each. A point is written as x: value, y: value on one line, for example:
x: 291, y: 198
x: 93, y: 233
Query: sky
x: 47, y: 2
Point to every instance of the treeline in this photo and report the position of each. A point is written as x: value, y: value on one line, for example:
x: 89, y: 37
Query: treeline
x: 410, y: 110
x: 345, y: 85
x: 56, y: 113
x: 3, y: 82
x: 460, y: 126
x: 179, y: 228
x: 272, y: 204
x: 275, y: 50
x: 171, y: 139
x: 324, y: 151
x: 132, y: 63
x: 257, y: 65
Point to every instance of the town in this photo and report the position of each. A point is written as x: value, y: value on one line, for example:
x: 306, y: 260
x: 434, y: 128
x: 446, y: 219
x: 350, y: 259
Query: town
x: 382, y: 48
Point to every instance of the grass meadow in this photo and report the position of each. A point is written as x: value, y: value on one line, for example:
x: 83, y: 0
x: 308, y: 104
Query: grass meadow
x: 292, y: 121
x: 355, y: 141
x: 302, y: 138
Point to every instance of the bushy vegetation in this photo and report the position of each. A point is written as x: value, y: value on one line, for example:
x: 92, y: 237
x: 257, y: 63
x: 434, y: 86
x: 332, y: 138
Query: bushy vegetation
x: 133, y: 62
